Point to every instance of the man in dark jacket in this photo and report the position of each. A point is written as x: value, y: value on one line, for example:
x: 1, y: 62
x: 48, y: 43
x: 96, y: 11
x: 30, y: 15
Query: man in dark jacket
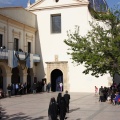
x: 67, y: 100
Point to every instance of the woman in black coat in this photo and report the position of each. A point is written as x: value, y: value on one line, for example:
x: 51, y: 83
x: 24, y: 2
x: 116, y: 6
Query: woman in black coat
x: 53, y: 110
x: 63, y: 110
x: 58, y: 101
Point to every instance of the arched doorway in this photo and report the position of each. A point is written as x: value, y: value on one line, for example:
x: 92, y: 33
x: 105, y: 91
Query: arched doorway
x: 15, y: 78
x: 1, y: 79
x: 56, y: 78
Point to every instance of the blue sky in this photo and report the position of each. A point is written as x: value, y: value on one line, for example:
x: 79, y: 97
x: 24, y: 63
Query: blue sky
x: 23, y: 3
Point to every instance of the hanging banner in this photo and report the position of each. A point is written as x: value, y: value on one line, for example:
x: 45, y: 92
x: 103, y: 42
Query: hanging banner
x: 29, y: 61
x: 12, y: 59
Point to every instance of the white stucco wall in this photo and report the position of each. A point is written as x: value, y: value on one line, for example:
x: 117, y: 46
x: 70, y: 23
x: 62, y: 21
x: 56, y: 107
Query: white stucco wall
x: 52, y: 44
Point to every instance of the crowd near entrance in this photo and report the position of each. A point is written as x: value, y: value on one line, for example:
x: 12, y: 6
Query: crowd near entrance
x: 15, y: 77
x: 20, y: 82
x: 56, y: 80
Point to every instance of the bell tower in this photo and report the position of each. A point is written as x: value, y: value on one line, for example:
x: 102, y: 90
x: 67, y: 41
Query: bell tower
x: 36, y: 0
x: 28, y: 4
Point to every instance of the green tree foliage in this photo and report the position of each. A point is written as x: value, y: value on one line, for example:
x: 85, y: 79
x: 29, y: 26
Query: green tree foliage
x: 99, y: 49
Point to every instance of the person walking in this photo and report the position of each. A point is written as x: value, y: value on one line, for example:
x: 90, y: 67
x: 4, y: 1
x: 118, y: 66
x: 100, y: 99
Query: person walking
x: 62, y: 113
x: 48, y: 87
x: 9, y: 90
x: 96, y: 90
x: 16, y: 89
x: 53, y: 109
x: 58, y: 101
x: 34, y: 87
x: 61, y: 85
x: 45, y: 85
x: 67, y: 100
x: 101, y: 94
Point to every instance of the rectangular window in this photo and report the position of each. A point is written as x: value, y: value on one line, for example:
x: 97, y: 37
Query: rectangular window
x: 56, y: 23
x: 1, y: 40
x: 29, y: 47
x: 16, y: 44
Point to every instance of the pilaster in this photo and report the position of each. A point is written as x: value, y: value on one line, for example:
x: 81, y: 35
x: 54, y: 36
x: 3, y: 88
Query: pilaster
x: 6, y: 81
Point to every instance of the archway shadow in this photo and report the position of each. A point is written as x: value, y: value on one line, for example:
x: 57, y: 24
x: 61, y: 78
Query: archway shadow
x: 18, y: 116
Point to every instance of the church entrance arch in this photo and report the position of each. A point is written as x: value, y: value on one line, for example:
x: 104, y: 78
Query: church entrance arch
x: 57, y: 71
x: 56, y: 79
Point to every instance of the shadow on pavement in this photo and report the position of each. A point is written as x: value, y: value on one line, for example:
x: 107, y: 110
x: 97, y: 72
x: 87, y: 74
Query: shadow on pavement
x: 72, y: 110
x: 18, y: 116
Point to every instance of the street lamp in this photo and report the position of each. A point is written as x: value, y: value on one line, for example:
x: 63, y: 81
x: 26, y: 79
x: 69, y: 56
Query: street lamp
x: 2, y: 48
x: 17, y: 54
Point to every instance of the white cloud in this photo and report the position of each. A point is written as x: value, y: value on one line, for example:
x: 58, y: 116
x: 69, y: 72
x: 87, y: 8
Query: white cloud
x: 118, y: 3
x: 6, y: 1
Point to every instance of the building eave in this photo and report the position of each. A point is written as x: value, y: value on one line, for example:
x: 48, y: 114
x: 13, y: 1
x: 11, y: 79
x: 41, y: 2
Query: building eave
x: 60, y: 6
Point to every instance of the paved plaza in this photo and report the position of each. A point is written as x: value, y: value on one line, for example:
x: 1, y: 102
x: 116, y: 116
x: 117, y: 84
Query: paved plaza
x: 83, y: 106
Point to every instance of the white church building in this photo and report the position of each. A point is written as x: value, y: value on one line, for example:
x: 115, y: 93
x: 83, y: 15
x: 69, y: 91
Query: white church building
x: 41, y: 29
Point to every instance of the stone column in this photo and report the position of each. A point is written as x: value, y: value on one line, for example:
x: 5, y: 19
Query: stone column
x: 6, y: 81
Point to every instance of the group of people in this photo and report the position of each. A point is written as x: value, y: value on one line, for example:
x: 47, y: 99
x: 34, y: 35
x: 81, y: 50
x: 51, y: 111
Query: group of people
x: 44, y: 87
x: 18, y: 88
x: 111, y: 94
x: 59, y: 107
x: 26, y: 88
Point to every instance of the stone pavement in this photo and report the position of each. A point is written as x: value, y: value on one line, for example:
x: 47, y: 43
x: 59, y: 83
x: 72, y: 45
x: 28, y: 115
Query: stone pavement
x: 83, y: 106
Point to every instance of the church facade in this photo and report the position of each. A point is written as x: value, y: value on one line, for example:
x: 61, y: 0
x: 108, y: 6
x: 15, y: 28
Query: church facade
x: 48, y: 26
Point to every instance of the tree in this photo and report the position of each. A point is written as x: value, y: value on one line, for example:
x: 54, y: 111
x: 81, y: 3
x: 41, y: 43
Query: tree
x: 99, y: 49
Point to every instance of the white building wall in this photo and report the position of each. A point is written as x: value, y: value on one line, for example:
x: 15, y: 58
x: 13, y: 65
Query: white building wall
x: 53, y: 44
x: 11, y: 29
x: 19, y: 14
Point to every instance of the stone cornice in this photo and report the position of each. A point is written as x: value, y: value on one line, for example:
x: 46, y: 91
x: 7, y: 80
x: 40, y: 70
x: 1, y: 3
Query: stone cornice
x: 13, y: 22
x: 58, y: 62
x: 60, y: 6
